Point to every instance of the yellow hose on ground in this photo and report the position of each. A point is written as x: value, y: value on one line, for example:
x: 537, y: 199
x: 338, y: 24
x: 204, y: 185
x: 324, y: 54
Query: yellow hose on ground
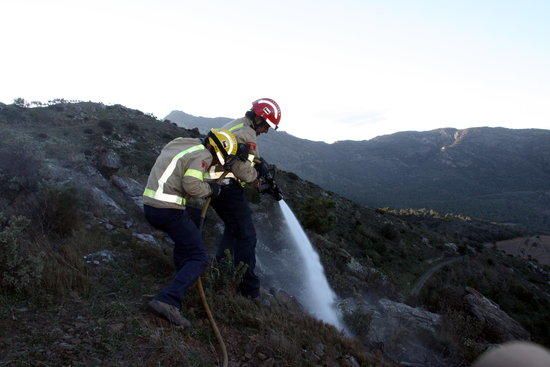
x: 201, y: 289
x: 212, y: 322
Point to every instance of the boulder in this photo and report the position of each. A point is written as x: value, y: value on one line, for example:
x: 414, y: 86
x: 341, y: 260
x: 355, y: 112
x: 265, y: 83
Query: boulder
x: 101, y: 198
x: 493, y: 318
x: 406, y: 334
x: 355, y: 266
x: 100, y: 257
x: 130, y: 187
x: 350, y: 361
x: 148, y: 238
x: 109, y: 162
x: 451, y: 246
x: 389, y: 316
x: 127, y: 185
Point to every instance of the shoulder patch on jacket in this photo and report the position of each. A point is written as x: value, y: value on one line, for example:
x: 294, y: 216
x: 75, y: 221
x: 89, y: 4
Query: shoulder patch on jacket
x: 251, y: 146
x: 204, y: 165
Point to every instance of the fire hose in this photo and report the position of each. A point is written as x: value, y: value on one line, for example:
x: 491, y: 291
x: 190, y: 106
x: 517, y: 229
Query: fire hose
x: 266, y: 185
x: 201, y: 288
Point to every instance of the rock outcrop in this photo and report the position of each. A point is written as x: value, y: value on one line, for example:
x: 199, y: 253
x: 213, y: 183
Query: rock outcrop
x: 408, y: 334
x: 130, y: 188
x: 109, y: 162
x: 494, y: 319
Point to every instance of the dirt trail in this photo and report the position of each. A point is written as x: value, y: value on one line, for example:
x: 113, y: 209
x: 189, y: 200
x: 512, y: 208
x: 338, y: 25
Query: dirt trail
x: 431, y: 271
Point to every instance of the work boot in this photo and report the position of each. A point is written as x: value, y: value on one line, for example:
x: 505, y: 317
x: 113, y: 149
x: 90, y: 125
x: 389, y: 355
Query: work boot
x: 169, y: 312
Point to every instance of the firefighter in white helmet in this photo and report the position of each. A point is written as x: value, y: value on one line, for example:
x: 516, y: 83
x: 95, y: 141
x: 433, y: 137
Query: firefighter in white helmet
x: 179, y: 173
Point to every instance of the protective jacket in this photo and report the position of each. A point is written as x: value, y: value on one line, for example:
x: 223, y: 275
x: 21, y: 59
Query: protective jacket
x: 244, y: 132
x: 178, y: 173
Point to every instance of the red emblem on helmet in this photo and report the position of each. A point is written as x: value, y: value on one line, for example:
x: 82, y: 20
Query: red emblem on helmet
x: 269, y: 110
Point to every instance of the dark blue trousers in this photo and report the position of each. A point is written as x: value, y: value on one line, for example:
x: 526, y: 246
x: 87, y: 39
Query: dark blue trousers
x: 190, y: 257
x: 239, y: 235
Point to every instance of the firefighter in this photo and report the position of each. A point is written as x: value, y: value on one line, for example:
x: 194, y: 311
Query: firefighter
x: 179, y: 173
x: 231, y: 205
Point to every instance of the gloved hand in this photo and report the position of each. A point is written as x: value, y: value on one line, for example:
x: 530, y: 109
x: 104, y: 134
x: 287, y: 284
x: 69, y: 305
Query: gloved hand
x: 229, y: 162
x: 262, y: 168
x: 242, y: 151
x: 215, y: 188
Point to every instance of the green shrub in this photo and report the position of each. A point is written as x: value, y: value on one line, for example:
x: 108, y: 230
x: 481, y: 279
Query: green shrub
x: 388, y: 231
x: 380, y: 247
x: 106, y: 126
x: 59, y: 210
x: 358, y: 322
x: 19, y: 171
x: 225, y: 274
x: 20, y: 267
x: 132, y: 127
x: 462, y: 249
x: 461, y: 332
x: 316, y: 214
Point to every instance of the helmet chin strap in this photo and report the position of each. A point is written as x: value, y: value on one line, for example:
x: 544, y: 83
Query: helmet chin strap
x: 220, y: 158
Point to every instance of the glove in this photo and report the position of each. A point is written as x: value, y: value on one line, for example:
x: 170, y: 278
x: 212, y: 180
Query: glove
x: 262, y: 168
x: 242, y: 151
x: 229, y: 162
x: 277, y: 194
x: 215, y: 188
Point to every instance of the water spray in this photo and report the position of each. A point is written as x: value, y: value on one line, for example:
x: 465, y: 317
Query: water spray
x: 318, y: 298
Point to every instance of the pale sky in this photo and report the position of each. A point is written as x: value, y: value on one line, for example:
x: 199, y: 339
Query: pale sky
x: 339, y: 70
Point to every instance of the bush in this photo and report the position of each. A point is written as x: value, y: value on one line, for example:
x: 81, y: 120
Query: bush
x: 19, y: 171
x: 388, y: 231
x: 380, y: 247
x: 59, y: 210
x: 461, y: 332
x: 225, y: 275
x: 106, y: 126
x: 359, y: 323
x: 316, y: 214
x: 20, y: 267
x: 132, y: 127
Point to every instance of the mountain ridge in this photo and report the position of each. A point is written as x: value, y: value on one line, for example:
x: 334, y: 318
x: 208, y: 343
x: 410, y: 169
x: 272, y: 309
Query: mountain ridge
x: 447, y: 169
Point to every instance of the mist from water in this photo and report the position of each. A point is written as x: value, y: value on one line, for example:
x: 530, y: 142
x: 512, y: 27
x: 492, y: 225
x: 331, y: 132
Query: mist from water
x: 318, y: 298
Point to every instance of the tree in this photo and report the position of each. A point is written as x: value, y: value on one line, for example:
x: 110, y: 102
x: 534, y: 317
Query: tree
x: 20, y: 102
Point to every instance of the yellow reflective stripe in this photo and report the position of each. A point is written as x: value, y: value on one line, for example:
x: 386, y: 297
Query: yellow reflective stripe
x: 159, y: 194
x: 150, y: 193
x: 238, y: 126
x: 189, y: 150
x: 214, y: 175
x: 164, y: 197
x: 195, y: 173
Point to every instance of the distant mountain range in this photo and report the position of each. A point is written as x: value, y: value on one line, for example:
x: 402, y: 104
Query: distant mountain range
x: 494, y: 173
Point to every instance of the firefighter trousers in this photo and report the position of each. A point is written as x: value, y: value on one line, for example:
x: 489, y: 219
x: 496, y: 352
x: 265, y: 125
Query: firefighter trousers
x: 239, y: 235
x: 190, y: 257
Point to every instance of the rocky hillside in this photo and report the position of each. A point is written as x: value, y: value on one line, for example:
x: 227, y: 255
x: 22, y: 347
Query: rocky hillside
x: 493, y: 173
x: 78, y: 263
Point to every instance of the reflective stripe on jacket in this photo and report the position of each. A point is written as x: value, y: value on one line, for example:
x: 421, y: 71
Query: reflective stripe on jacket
x: 178, y: 172
x: 245, y: 134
